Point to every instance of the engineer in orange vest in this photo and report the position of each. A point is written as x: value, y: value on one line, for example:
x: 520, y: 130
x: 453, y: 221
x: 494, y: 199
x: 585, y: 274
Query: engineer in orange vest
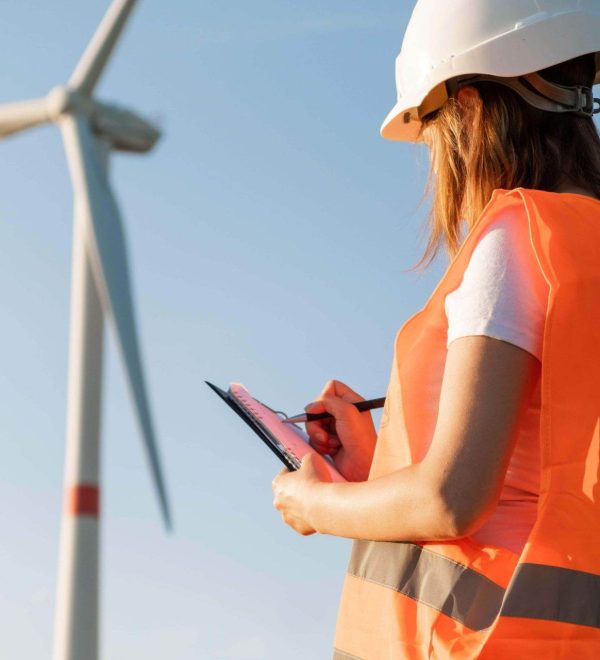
x: 475, y: 508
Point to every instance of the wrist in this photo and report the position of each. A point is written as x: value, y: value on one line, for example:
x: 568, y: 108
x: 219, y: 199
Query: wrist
x: 363, y: 466
x: 355, y: 466
x: 316, y: 506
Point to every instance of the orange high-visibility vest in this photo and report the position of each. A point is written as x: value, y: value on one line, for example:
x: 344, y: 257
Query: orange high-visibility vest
x: 462, y: 599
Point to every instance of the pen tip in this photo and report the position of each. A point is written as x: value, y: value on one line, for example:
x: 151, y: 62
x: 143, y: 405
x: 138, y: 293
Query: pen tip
x: 294, y: 420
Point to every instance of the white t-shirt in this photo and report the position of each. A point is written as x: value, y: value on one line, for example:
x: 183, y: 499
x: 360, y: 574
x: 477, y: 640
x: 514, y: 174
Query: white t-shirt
x: 503, y: 294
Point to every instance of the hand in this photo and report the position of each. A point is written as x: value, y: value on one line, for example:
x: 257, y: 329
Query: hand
x: 294, y: 492
x: 350, y: 437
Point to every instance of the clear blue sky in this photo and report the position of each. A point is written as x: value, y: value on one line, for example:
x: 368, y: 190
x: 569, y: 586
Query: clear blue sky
x: 269, y: 233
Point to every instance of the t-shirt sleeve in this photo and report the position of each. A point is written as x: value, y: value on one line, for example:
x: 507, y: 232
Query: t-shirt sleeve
x: 503, y: 293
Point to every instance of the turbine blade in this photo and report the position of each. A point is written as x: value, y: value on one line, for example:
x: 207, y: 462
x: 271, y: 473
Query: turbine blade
x: 15, y: 117
x: 91, y: 65
x: 104, y: 235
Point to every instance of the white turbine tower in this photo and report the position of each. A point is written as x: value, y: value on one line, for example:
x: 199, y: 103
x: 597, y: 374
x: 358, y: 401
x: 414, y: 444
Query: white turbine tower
x: 100, y: 286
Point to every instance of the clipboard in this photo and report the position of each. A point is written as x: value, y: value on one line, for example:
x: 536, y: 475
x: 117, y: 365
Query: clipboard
x: 288, y: 442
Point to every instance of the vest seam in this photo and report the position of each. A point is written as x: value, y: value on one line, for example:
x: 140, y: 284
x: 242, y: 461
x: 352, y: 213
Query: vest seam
x: 545, y: 386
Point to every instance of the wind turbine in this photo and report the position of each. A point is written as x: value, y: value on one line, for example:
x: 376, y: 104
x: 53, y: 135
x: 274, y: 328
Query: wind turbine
x: 100, y: 287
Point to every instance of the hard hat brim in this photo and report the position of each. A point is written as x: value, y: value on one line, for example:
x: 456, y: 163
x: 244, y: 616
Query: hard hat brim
x: 508, y: 54
x: 395, y: 126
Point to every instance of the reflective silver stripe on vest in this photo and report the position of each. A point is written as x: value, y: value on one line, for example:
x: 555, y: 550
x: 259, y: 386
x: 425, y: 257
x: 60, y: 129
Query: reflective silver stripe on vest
x: 537, y: 591
x: 445, y: 585
x: 555, y: 594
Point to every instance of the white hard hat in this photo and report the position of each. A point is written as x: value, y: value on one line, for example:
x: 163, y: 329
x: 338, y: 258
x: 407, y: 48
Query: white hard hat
x: 448, y: 39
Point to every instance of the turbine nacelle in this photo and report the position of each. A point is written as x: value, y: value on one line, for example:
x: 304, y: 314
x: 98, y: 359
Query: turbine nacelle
x: 125, y: 130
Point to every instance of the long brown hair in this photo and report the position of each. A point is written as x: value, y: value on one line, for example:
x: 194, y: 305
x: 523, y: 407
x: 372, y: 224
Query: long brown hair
x: 506, y: 143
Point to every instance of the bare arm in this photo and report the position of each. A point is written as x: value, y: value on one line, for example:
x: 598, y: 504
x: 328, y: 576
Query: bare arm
x: 486, y: 387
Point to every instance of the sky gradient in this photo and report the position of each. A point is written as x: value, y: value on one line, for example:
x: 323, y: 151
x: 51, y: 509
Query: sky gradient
x: 269, y: 233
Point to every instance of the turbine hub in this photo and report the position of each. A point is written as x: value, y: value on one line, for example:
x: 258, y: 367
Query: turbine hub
x: 62, y: 100
x: 58, y: 102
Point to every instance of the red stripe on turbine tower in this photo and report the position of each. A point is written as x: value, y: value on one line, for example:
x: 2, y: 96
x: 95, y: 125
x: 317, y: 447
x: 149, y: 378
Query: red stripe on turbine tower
x: 83, y: 500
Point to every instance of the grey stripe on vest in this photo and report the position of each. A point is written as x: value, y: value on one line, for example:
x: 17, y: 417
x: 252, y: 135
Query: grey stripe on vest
x: 555, y: 594
x: 445, y: 585
x: 338, y: 654
x: 536, y: 591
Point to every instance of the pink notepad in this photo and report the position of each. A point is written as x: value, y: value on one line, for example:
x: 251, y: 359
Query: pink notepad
x: 288, y: 441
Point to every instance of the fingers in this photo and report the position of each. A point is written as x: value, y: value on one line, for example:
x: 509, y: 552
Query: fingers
x: 281, y: 472
x: 330, y: 445
x: 338, y: 408
x: 321, y: 439
x: 334, y: 405
x: 320, y: 429
x: 336, y: 399
x: 333, y: 392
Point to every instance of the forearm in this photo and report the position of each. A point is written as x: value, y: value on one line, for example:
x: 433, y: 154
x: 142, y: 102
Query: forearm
x: 402, y: 506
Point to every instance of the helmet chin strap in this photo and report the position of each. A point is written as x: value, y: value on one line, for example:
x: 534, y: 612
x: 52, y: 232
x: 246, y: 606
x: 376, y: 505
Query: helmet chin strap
x: 538, y: 92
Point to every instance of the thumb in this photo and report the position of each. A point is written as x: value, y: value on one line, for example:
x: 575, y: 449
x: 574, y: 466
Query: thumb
x: 336, y: 406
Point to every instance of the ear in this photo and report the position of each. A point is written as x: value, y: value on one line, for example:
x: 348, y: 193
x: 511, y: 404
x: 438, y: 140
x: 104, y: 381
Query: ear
x: 468, y: 99
x: 467, y: 96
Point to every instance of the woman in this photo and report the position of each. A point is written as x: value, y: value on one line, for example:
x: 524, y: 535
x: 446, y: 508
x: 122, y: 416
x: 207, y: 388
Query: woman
x: 475, y: 510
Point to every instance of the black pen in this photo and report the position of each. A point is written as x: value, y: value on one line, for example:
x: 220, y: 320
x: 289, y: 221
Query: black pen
x: 361, y: 406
